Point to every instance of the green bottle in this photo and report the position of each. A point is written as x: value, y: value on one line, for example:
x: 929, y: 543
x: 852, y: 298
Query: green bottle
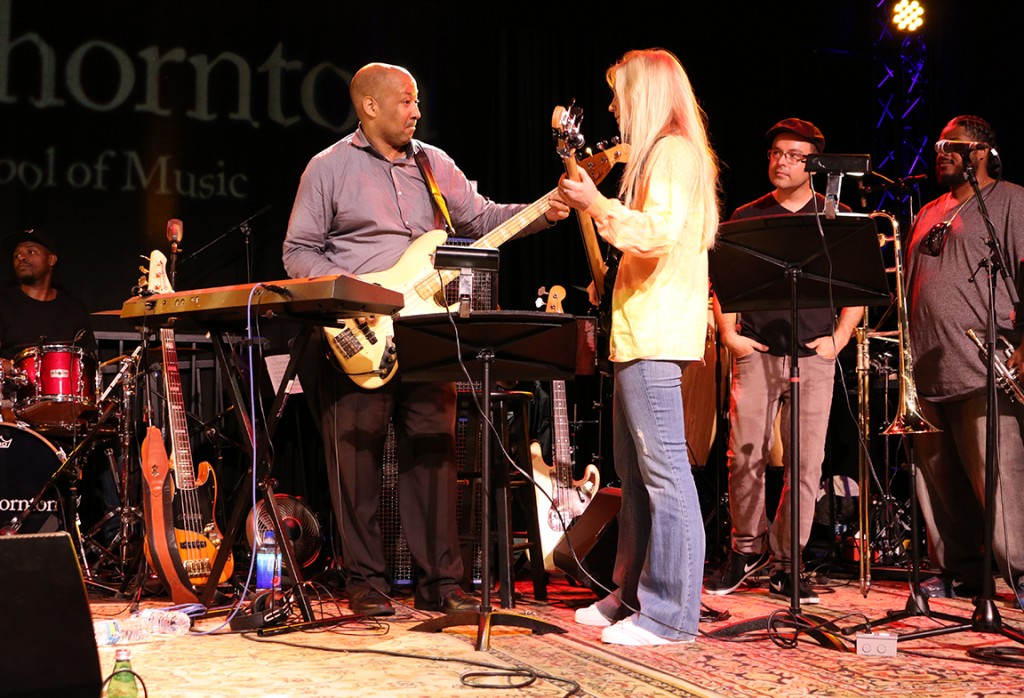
x: 122, y: 683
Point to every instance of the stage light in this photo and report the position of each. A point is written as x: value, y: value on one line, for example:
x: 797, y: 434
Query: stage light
x: 908, y: 15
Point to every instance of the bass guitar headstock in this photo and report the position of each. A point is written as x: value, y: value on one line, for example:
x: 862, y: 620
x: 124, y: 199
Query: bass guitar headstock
x: 551, y: 299
x: 565, y: 127
x: 155, y: 279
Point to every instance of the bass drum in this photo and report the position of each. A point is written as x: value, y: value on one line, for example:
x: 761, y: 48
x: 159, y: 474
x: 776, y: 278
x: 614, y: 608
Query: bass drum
x: 27, y: 462
x: 703, y: 395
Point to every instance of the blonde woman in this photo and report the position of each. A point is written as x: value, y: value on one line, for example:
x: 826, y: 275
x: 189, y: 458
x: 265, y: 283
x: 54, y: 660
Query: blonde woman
x: 663, y: 225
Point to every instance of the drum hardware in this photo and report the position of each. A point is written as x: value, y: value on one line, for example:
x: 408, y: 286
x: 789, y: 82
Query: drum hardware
x: 127, y: 541
x: 65, y: 470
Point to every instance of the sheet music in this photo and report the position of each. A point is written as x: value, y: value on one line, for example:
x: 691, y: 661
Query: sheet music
x: 276, y: 366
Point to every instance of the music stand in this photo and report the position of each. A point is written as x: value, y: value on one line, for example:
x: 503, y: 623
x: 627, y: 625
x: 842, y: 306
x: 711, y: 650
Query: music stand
x: 490, y: 346
x: 795, y: 261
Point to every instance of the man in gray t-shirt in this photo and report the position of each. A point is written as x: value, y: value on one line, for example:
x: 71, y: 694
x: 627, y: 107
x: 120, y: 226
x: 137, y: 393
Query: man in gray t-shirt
x: 948, y: 293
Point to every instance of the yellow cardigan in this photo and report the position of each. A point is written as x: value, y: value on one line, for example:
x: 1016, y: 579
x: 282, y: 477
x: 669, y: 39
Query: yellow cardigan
x: 660, y: 298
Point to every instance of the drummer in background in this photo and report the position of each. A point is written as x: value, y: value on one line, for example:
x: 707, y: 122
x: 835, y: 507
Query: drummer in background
x: 34, y: 310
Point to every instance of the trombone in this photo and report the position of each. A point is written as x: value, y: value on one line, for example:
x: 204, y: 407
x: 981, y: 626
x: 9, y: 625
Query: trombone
x: 908, y: 419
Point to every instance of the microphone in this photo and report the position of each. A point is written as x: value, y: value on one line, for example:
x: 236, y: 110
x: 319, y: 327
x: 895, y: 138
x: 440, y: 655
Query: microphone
x: 945, y: 146
x: 174, y: 230
x: 900, y: 184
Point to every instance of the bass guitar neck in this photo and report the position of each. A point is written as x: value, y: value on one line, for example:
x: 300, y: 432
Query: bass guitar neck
x: 561, y: 499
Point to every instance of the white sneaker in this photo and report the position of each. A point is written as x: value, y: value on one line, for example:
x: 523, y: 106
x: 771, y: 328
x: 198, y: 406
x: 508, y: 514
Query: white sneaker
x: 591, y: 615
x: 626, y: 632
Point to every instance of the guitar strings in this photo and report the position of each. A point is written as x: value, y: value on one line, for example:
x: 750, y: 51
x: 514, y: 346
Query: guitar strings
x: 183, y: 465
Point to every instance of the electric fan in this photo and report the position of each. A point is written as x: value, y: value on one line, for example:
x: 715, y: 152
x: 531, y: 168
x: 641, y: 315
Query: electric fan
x: 298, y: 522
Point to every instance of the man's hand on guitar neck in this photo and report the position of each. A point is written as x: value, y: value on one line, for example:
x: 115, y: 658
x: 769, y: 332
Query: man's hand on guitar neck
x: 559, y: 210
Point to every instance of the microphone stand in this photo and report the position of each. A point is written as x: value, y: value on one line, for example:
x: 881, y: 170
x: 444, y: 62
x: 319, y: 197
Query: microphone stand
x: 172, y: 272
x: 246, y: 231
x: 985, y: 618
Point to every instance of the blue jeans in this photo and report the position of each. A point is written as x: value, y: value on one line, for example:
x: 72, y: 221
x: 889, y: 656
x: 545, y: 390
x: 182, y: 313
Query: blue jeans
x: 659, y: 562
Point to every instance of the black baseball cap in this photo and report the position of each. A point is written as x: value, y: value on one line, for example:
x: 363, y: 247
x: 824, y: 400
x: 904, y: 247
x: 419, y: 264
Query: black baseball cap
x: 14, y: 239
x: 804, y: 129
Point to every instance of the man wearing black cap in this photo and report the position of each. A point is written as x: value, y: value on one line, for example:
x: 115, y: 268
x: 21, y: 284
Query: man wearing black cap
x: 34, y: 310
x: 760, y: 347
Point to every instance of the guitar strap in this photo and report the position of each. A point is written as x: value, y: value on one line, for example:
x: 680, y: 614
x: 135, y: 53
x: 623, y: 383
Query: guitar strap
x: 439, y: 204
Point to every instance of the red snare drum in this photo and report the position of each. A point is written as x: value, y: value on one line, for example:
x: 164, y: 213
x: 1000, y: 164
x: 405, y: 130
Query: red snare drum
x: 60, y: 385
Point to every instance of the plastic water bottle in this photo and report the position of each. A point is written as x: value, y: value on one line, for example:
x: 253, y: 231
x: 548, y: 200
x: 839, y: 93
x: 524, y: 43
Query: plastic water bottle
x: 122, y: 682
x: 268, y: 563
x: 119, y: 632
x: 162, y: 621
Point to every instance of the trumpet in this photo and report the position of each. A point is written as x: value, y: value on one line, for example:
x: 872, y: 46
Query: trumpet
x: 1006, y: 378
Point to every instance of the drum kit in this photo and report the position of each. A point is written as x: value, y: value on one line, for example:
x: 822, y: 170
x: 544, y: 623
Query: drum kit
x: 57, y: 418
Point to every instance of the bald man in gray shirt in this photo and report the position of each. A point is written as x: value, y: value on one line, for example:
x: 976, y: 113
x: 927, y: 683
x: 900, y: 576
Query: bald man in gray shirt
x: 360, y: 205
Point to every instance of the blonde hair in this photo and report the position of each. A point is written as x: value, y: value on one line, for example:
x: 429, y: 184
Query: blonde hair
x: 655, y: 99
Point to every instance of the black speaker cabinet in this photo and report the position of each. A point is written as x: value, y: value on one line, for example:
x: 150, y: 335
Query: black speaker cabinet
x: 49, y: 644
x: 590, y: 543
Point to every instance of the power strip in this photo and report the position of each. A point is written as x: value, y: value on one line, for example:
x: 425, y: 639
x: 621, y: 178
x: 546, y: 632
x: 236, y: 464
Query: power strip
x: 876, y: 645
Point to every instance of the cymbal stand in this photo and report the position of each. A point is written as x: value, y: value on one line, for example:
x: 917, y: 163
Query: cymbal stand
x: 126, y: 541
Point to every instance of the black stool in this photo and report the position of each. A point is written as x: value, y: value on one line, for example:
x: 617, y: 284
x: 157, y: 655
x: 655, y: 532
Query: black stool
x: 506, y: 482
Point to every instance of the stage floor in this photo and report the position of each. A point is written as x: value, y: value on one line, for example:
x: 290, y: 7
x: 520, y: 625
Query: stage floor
x: 388, y: 658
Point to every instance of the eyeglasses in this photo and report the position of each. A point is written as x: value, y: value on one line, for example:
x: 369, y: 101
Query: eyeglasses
x: 936, y: 238
x: 791, y: 156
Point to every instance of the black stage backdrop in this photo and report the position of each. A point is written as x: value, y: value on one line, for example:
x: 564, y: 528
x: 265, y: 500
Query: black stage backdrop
x: 117, y: 116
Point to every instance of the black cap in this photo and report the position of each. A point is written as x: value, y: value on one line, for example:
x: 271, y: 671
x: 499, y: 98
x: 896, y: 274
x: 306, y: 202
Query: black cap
x: 15, y: 239
x: 804, y: 129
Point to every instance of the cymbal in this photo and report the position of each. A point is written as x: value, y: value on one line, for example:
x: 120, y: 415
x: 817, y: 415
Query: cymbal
x: 152, y: 354
x: 107, y: 313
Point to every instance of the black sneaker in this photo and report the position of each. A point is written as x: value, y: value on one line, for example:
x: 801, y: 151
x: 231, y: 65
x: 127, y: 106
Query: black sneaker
x: 734, y: 571
x: 779, y: 585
